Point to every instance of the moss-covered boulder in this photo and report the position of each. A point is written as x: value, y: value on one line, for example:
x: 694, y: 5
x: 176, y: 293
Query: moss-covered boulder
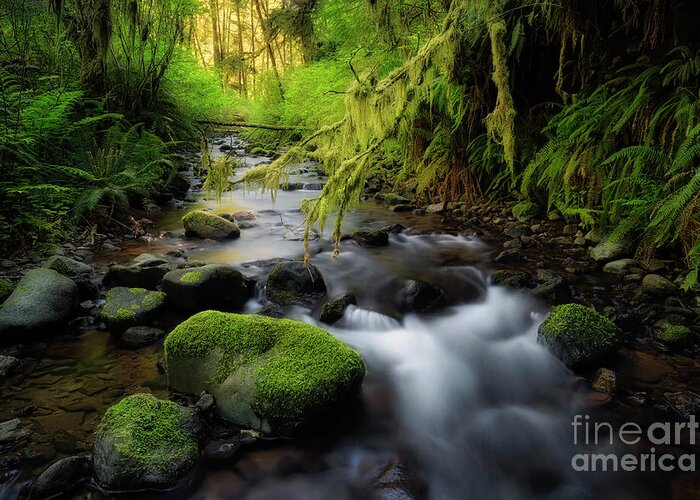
x: 419, y: 296
x: 6, y: 289
x: 578, y: 335
x: 608, y: 250
x: 127, y: 307
x: 273, y: 375
x: 293, y: 282
x: 202, y: 224
x: 41, y: 302
x: 673, y: 334
x: 79, y: 272
x: 525, y: 210
x: 214, y: 286
x: 143, y: 442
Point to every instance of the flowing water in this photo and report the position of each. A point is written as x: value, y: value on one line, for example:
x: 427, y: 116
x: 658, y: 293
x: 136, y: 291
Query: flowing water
x: 461, y: 404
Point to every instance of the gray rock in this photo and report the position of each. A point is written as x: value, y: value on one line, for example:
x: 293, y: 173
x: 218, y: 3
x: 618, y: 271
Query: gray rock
x: 658, y: 286
x: 294, y: 282
x: 570, y: 230
x: 335, y: 309
x: 127, y: 307
x: 509, y: 255
x: 60, y: 477
x: 12, y: 431
x: 620, y: 266
x: 143, y: 442
x: 513, y: 279
x: 420, y: 296
x: 43, y: 301
x: 8, y: 364
x: 79, y: 272
x: 139, y: 336
x: 222, y: 449
x: 213, y: 286
x: 146, y: 271
x: 205, y: 402
x: 608, y: 250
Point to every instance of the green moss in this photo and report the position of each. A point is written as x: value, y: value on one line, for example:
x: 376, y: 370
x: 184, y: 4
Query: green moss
x: 673, y: 334
x: 281, y: 297
x: 191, y: 277
x: 6, y: 289
x: 208, y: 219
x: 525, y: 210
x: 148, y: 432
x: 298, y: 367
x: 126, y: 307
x: 580, y: 325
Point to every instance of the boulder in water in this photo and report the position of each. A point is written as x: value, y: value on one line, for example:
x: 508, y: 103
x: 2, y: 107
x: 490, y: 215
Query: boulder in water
x: 332, y: 311
x: 513, y: 279
x: 145, y: 271
x: 209, y: 226
x: 144, y: 442
x: 272, y: 375
x: 213, y: 286
x: 42, y: 302
x: 60, y: 477
x: 578, y: 335
x: 673, y: 334
x: 127, y: 307
x: 420, y: 296
x: 139, y: 336
x: 293, y: 282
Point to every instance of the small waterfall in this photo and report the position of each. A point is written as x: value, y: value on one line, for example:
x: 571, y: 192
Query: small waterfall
x: 356, y: 318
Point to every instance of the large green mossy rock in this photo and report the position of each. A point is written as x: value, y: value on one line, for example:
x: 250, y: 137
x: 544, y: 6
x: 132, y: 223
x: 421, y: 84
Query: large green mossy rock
x: 273, y: 375
x: 144, y: 442
x: 578, y: 335
x: 41, y: 302
x: 208, y: 225
x: 127, y: 307
x: 214, y: 286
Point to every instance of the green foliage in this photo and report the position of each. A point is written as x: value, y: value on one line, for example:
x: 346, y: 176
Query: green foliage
x: 219, y: 175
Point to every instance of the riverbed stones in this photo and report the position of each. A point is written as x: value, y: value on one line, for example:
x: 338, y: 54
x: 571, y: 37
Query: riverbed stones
x: 658, y: 286
x: 293, y: 282
x: 144, y: 442
x: 271, y: 375
x: 127, y: 307
x: 43, y: 301
x: 8, y: 365
x: 12, y: 431
x: 207, y: 225
x: 578, y: 335
x: 334, y: 310
x: 213, y: 286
